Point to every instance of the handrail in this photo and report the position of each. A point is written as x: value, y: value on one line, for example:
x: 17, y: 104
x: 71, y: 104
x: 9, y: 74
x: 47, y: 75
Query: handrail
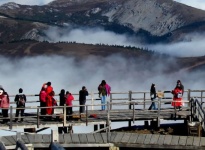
x: 200, y: 113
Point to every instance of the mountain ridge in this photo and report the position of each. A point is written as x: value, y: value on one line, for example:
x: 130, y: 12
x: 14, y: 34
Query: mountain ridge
x: 156, y: 20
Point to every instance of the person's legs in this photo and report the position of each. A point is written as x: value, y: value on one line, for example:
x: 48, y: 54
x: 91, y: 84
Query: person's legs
x: 103, y: 102
x: 71, y: 112
x: 17, y: 114
x: 4, y: 115
x: 22, y: 114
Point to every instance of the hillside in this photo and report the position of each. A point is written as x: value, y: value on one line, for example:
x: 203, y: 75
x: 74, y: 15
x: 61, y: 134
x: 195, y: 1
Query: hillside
x: 79, y: 52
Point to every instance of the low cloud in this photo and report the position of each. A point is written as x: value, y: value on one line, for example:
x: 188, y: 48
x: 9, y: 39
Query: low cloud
x: 65, y: 73
x: 192, y: 45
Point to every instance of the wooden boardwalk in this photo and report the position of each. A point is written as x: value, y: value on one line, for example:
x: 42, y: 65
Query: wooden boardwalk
x: 101, y: 117
x: 117, y: 139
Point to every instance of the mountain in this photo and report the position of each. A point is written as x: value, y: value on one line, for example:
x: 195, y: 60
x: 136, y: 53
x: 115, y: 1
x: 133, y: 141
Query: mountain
x: 154, y: 20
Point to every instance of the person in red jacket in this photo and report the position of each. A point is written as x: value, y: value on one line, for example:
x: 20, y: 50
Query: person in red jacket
x: 49, y: 97
x: 177, y: 97
x: 42, y: 98
x: 69, y: 100
x: 5, y: 103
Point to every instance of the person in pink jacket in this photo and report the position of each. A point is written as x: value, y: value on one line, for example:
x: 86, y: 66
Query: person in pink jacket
x: 69, y: 102
x: 5, y: 103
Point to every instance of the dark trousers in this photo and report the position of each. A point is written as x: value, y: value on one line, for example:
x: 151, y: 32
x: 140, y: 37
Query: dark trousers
x: 17, y: 113
x: 5, y: 115
x: 69, y: 111
x: 62, y: 130
x: 82, y: 108
x: 43, y: 110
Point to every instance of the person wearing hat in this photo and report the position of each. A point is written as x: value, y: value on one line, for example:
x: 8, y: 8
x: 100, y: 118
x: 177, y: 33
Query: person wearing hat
x: 82, y: 98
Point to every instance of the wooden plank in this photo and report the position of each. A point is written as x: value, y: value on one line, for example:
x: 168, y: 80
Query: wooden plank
x: 75, y: 138
x: 91, y: 138
x: 167, y: 139
x: 67, y: 138
x: 98, y: 138
x: 118, y: 137
x: 83, y: 138
x: 61, y: 139
x: 113, y: 134
x: 196, y: 141
x: 140, y: 139
x: 175, y: 140
x: 161, y: 139
x: 125, y: 138
x: 25, y: 139
x: 182, y: 140
x: 104, y: 136
x: 202, y: 141
x: 46, y: 138
x: 147, y: 138
x: 31, y: 137
x: 11, y: 140
x: 189, y: 141
x: 5, y: 141
x: 133, y: 138
x: 154, y: 139
x: 38, y: 138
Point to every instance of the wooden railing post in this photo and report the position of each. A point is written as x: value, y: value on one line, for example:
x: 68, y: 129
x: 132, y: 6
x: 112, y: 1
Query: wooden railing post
x: 158, y: 113
x: 38, y: 117
x: 144, y: 100
x: 11, y: 117
x: 133, y: 112
x: 108, y: 122
x: 92, y: 101
x: 201, y: 97
x: 64, y: 115
x: 111, y: 101
x: 189, y: 97
x: 130, y: 99
x: 86, y: 115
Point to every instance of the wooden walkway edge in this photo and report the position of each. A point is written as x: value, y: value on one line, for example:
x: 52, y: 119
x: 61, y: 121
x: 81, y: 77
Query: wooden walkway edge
x: 117, y: 139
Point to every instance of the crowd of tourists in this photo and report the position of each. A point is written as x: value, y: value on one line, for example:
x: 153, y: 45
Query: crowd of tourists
x: 47, y: 100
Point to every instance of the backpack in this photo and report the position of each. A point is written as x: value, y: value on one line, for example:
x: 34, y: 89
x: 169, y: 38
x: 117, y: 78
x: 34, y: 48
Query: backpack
x: 21, y: 101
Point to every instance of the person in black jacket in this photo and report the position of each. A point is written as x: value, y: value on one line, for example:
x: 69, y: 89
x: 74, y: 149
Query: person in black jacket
x: 82, y: 98
x: 62, y: 97
x: 20, y: 100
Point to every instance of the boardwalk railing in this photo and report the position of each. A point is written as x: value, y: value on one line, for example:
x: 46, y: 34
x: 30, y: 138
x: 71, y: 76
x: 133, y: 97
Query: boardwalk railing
x: 134, y: 100
x: 198, y: 112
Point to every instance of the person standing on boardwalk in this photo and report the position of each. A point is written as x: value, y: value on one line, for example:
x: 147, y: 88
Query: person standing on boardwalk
x: 177, y: 96
x: 20, y: 100
x: 82, y: 98
x: 42, y: 97
x: 181, y: 85
x: 62, y: 97
x: 104, y: 91
x: 153, y: 96
x: 49, y: 97
x: 69, y: 102
x: 5, y: 103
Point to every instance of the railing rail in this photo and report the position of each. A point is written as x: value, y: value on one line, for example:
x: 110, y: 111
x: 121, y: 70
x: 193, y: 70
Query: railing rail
x: 199, y: 112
